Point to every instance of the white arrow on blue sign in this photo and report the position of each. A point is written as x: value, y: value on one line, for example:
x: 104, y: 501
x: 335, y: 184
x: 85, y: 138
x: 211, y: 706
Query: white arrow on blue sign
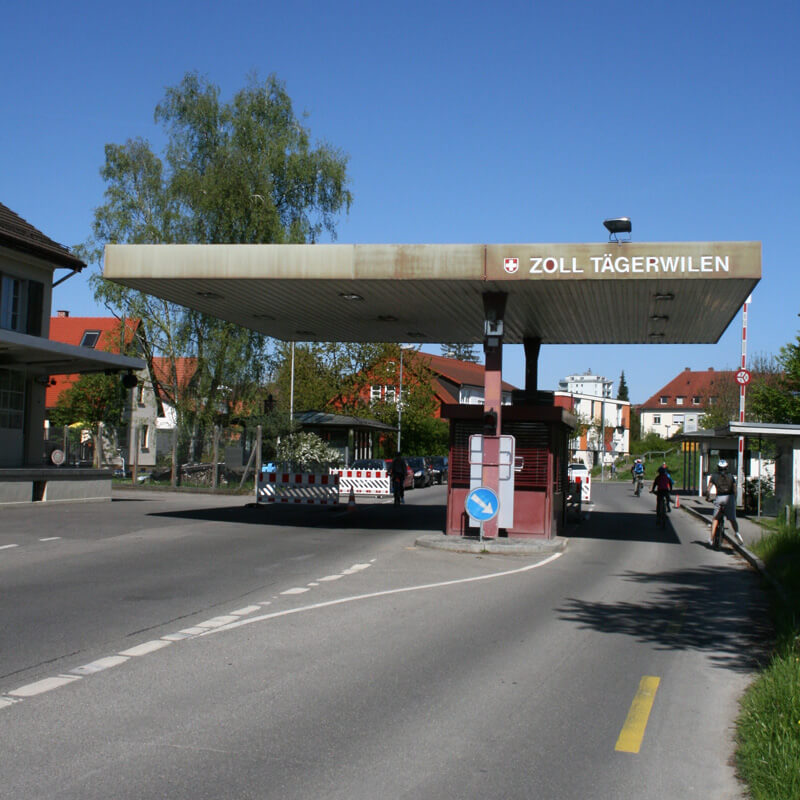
x: 482, y: 504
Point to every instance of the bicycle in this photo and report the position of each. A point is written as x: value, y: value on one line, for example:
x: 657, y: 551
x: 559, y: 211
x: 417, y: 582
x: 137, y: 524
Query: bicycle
x: 661, y: 509
x: 639, y: 483
x: 716, y: 542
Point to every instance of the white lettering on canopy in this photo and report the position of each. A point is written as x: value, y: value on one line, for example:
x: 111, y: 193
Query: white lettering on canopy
x: 623, y: 265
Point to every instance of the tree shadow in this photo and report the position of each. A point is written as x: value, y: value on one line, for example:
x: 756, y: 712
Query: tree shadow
x: 365, y: 516
x: 711, y: 609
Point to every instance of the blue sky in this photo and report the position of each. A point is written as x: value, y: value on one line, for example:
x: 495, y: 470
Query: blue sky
x: 469, y: 122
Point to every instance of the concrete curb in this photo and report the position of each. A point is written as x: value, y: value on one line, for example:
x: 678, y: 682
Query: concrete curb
x: 508, y: 547
x: 748, y: 556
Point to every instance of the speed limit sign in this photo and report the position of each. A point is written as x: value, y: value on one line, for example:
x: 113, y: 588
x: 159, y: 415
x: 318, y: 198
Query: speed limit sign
x: 742, y: 377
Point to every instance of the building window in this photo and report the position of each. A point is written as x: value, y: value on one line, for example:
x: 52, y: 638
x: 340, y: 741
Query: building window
x: 696, y: 400
x: 677, y: 419
x: 662, y: 400
x: 390, y: 394
x: 145, y: 439
x: 679, y: 400
x: 656, y: 419
x: 374, y: 394
x: 11, y: 290
x: 90, y: 338
x: 12, y: 399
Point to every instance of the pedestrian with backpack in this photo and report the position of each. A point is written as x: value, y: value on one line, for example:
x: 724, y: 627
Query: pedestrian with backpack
x: 725, y: 501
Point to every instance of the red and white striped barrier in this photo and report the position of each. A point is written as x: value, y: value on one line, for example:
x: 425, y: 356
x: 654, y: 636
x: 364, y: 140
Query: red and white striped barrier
x: 365, y: 481
x: 298, y: 487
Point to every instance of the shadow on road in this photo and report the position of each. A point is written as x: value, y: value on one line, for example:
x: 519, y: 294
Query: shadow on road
x: 366, y: 516
x: 714, y: 609
x: 625, y: 527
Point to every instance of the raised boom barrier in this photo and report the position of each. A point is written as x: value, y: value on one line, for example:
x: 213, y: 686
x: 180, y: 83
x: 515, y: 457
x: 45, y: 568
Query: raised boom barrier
x: 298, y: 487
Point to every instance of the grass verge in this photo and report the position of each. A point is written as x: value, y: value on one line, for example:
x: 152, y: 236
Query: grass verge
x: 768, y: 728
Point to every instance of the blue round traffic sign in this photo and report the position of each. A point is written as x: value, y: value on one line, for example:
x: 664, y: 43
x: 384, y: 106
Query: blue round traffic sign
x: 482, y: 504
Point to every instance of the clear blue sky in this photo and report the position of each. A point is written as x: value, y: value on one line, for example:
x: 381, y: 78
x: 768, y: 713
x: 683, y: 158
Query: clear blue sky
x: 464, y: 122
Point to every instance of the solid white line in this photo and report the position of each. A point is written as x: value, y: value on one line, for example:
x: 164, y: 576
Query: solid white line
x: 296, y: 590
x: 99, y: 665
x: 384, y: 593
x: 246, y: 610
x: 46, y: 685
x: 144, y: 649
x: 7, y: 546
x: 49, y: 538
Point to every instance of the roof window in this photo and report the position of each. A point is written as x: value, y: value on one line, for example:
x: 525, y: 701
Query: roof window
x: 90, y: 338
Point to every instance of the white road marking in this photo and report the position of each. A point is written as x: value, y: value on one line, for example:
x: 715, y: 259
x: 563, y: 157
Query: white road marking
x: 330, y: 578
x: 144, y: 649
x: 313, y: 583
x: 46, y: 685
x: 7, y: 701
x: 7, y: 546
x: 246, y: 610
x: 215, y: 622
x: 265, y: 603
x: 49, y: 539
x: 355, y: 568
x: 99, y: 665
x: 384, y: 593
x: 296, y: 590
x: 191, y: 631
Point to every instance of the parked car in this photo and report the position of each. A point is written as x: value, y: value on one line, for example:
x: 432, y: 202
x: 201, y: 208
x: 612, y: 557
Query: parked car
x: 408, y: 483
x: 439, y: 468
x: 422, y: 473
x: 368, y: 463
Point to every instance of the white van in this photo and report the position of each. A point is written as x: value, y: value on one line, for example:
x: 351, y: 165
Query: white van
x: 580, y: 471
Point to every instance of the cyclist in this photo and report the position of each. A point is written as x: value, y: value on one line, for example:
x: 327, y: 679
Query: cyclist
x: 637, y: 470
x: 725, y: 500
x: 671, y: 484
x: 662, y: 486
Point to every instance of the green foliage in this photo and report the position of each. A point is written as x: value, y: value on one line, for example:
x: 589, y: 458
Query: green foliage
x: 237, y: 172
x: 651, y: 442
x: 779, y: 400
x: 461, y: 351
x: 93, y: 398
x: 622, y: 389
x: 306, y: 452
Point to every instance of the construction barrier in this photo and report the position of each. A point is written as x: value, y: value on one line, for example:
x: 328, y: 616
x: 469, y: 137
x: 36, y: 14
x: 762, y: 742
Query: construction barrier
x: 365, y: 481
x: 299, y: 487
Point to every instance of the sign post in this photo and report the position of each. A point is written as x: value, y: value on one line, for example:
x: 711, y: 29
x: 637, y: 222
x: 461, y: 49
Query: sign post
x: 482, y: 504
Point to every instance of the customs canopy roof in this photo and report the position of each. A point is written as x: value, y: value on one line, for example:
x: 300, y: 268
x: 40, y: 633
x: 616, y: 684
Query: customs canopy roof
x: 559, y: 293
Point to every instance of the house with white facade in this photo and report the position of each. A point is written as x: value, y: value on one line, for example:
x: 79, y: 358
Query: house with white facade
x: 678, y: 405
x: 594, y: 444
x: 586, y: 384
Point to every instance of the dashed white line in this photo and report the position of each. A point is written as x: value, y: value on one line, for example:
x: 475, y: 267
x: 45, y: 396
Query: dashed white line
x: 7, y: 546
x: 46, y: 685
x: 7, y: 701
x: 296, y: 590
x: 144, y: 649
x: 246, y: 610
x: 216, y: 622
x: 330, y: 578
x: 50, y: 539
x: 100, y: 665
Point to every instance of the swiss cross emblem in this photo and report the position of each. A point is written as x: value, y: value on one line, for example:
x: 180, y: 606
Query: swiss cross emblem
x: 511, y: 265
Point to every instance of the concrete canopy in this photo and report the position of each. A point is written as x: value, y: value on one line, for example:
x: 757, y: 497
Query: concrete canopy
x: 625, y: 293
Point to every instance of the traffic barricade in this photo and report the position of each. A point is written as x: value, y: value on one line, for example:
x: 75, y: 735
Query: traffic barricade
x: 298, y: 487
x: 376, y: 482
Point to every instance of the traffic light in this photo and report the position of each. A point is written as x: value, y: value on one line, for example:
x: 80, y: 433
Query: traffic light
x: 490, y: 423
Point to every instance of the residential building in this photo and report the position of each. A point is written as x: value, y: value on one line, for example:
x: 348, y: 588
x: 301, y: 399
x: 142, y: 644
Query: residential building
x: 28, y: 262
x: 586, y: 384
x: 587, y: 445
x: 678, y: 405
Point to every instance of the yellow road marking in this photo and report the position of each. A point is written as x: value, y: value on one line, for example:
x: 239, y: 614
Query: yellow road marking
x: 632, y: 733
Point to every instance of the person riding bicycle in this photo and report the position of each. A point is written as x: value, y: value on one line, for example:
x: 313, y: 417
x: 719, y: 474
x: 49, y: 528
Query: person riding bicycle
x: 725, y: 500
x: 671, y: 484
x: 637, y: 470
x: 662, y: 486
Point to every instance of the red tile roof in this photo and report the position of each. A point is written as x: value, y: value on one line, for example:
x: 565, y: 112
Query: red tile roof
x: 689, y: 384
x: 463, y: 373
x: 185, y: 369
x: 70, y: 330
x: 18, y: 234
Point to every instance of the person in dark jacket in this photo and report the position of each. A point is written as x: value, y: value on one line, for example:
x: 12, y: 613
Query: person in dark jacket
x: 398, y: 475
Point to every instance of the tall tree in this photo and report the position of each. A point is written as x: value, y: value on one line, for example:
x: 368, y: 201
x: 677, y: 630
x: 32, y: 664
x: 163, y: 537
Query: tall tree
x: 778, y: 400
x: 238, y: 172
x: 622, y: 389
x: 461, y: 351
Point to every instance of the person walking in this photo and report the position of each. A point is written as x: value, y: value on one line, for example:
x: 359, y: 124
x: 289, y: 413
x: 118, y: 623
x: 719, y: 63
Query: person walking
x: 725, y: 501
x: 398, y: 475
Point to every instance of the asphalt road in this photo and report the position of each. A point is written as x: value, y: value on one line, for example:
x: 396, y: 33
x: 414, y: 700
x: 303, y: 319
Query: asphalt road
x: 174, y: 646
